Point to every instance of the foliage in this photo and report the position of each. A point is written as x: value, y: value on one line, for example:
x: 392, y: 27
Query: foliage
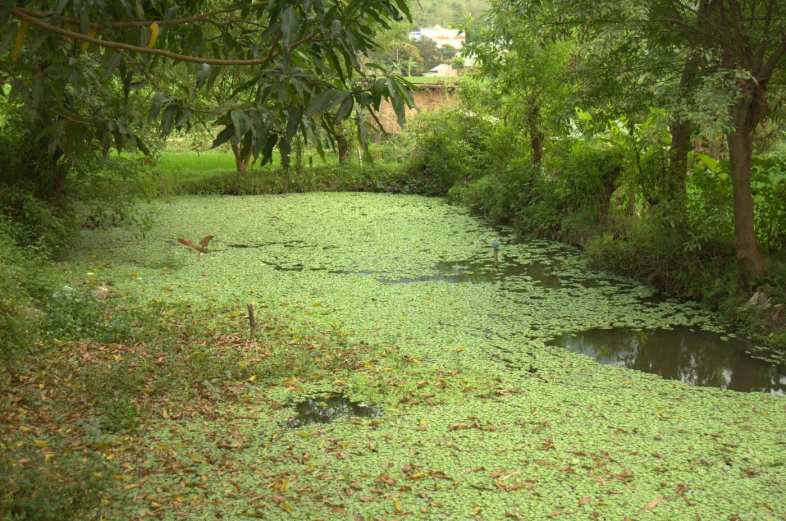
x: 19, y: 316
x: 448, y: 147
x: 36, y: 489
x: 328, y: 178
x: 427, y: 13
x: 769, y: 192
x: 303, y: 59
x: 429, y: 53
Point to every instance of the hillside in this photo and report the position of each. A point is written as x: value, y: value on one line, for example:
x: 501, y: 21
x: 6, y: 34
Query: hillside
x: 430, y: 12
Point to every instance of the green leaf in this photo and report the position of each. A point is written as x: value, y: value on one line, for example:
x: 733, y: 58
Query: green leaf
x: 144, y: 36
x: 168, y: 117
x: 5, y: 11
x: 377, y: 91
x: 38, y: 89
x: 60, y: 6
x: 184, y: 117
x: 8, y: 39
x: 402, y: 5
x: 289, y: 26
x: 202, y: 74
x: 114, y: 61
x: 240, y: 121
x: 324, y: 101
x: 44, y: 132
x: 399, y: 109
x: 224, y: 136
x: 155, y: 105
x: 295, y: 114
x: 76, y: 82
x: 344, y: 110
x: 16, y: 88
x: 284, y: 147
x: 38, y: 41
x: 335, y: 29
x: 84, y: 21
x: 141, y: 145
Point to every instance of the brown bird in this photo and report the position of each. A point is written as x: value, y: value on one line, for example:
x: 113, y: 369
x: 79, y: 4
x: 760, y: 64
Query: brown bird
x: 201, y: 247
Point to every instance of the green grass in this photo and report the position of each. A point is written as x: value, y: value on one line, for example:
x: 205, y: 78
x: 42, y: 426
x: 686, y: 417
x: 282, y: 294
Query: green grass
x: 430, y: 79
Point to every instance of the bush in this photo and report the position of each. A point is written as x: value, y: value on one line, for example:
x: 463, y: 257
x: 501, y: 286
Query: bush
x: 448, y: 147
x: 47, y: 197
x: 19, y: 316
x: 330, y: 178
x: 33, y: 488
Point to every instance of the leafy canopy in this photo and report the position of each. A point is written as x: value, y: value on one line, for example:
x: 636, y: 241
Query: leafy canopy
x: 96, y: 71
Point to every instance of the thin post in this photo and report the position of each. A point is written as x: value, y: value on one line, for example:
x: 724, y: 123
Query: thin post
x: 252, y: 321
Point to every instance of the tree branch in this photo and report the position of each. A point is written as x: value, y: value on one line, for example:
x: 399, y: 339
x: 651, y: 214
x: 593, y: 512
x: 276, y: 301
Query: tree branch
x: 143, y: 50
x: 10, y: 73
x: 126, y: 25
x: 769, y: 67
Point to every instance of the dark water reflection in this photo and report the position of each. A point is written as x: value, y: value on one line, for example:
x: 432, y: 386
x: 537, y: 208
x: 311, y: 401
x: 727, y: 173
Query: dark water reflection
x: 484, y: 271
x: 694, y: 357
x: 327, y: 409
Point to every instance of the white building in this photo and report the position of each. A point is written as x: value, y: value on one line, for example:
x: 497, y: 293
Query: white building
x: 440, y: 35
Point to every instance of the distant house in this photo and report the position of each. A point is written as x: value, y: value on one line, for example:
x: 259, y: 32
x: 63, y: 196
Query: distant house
x: 443, y: 70
x: 440, y: 35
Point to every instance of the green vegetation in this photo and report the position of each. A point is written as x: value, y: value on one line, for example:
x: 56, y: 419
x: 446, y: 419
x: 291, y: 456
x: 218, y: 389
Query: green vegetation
x: 468, y: 420
x: 445, y: 12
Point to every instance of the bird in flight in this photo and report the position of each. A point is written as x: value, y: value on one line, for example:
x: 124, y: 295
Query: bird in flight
x: 201, y: 247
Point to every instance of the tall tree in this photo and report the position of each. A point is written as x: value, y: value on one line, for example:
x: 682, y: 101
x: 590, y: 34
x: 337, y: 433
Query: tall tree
x: 531, y: 65
x: 725, y: 55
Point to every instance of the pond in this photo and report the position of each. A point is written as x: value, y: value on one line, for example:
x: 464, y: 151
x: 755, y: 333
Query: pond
x: 417, y: 272
x: 443, y: 387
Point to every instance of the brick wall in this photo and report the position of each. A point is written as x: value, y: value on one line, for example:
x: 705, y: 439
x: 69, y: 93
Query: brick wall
x: 429, y: 97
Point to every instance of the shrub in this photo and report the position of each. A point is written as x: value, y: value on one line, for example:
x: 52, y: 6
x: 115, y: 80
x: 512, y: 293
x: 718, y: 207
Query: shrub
x: 33, y: 488
x: 19, y: 316
x: 448, y: 147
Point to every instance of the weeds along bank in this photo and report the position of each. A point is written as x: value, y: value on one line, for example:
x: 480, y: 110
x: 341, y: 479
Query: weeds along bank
x: 609, y: 193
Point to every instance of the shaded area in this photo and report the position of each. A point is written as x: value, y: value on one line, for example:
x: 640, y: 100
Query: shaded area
x: 327, y: 409
x: 695, y: 357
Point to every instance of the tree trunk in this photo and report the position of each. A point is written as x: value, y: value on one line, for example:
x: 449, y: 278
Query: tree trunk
x: 746, y: 114
x: 341, y: 144
x: 535, y: 135
x: 241, y: 162
x: 676, y: 190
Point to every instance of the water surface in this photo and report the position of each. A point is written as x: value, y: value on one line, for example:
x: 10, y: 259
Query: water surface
x: 692, y: 356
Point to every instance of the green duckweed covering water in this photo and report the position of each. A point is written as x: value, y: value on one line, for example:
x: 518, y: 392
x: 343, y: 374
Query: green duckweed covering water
x: 480, y: 418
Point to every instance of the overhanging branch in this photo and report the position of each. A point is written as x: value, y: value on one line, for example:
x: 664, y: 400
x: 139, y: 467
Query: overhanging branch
x: 16, y: 12
x: 127, y: 25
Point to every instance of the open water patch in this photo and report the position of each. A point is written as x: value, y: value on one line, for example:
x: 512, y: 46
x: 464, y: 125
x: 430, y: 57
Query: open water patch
x: 474, y: 271
x: 328, y: 408
x: 693, y: 356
